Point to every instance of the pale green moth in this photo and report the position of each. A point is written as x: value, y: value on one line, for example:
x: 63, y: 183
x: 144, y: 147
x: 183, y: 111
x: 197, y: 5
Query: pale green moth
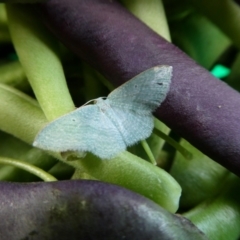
x: 107, y: 127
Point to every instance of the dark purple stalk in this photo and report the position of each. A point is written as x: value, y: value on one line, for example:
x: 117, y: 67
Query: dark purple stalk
x: 21, y: 1
x: 85, y: 210
x: 198, y: 107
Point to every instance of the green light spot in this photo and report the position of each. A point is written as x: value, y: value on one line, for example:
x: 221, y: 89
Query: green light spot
x: 220, y: 71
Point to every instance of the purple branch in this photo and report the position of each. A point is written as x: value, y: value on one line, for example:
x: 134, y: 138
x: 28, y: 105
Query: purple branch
x: 85, y: 210
x: 199, y: 107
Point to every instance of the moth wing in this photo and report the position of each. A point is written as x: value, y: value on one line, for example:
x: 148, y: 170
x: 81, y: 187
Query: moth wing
x: 87, y: 129
x: 133, y: 127
x: 145, y: 92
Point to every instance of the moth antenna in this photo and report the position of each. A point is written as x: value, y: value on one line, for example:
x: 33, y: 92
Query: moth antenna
x: 93, y: 100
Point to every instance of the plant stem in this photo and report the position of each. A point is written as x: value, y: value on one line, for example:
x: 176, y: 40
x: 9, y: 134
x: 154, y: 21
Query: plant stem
x: 13, y: 75
x: 148, y: 152
x: 20, y: 115
x: 173, y: 143
x: 29, y: 168
x: 219, y: 217
x: 39, y: 55
x: 152, y: 13
x: 225, y: 14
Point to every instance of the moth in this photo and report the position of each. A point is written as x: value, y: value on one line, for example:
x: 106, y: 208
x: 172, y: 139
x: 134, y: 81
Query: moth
x: 109, y: 126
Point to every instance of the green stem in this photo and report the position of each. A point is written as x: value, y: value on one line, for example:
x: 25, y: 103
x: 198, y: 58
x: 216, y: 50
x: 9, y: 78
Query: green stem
x: 132, y: 172
x: 29, y: 168
x: 4, y: 31
x: 13, y: 75
x: 206, y: 176
x: 225, y: 14
x: 148, y: 152
x: 20, y: 115
x: 219, y: 216
x: 173, y: 143
x: 38, y: 53
x: 11, y: 147
x: 152, y: 13
x: 3, y: 15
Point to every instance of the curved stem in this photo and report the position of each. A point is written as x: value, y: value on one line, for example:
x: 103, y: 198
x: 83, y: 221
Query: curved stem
x: 173, y: 143
x: 148, y: 152
x: 206, y: 176
x: 151, y: 13
x: 29, y: 168
x: 20, y: 115
x: 219, y: 216
x: 225, y: 14
x: 38, y: 54
x: 13, y: 75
